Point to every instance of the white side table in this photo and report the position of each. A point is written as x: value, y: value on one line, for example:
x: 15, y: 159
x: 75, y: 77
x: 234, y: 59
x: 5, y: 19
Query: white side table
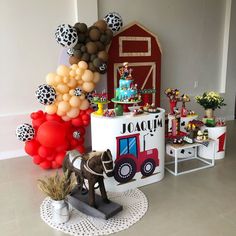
x: 177, y: 159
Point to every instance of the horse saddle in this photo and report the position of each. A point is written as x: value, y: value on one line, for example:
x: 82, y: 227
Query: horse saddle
x: 75, y: 158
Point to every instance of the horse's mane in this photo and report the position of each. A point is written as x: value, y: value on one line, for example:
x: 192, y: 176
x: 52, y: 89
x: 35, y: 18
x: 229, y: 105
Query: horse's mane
x: 91, y: 155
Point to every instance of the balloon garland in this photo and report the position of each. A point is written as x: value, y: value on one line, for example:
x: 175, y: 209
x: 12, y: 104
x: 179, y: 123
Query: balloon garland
x: 67, y: 95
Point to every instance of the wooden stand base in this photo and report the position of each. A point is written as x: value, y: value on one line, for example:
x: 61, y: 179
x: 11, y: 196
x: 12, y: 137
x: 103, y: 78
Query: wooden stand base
x: 103, y: 210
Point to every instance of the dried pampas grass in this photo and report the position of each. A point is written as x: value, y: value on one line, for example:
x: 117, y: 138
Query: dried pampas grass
x: 57, y: 186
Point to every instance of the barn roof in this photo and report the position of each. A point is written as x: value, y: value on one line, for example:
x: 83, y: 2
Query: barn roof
x: 142, y: 27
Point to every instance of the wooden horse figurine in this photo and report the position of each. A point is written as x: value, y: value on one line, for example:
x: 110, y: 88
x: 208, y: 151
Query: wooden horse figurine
x: 90, y: 166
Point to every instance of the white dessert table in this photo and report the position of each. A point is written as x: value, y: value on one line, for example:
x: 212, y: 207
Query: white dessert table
x: 177, y: 159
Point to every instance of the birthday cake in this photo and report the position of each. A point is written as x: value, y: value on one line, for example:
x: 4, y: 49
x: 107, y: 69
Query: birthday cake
x: 127, y: 90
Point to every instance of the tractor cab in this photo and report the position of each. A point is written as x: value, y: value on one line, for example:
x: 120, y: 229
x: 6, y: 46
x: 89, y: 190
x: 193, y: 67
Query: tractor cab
x: 131, y: 160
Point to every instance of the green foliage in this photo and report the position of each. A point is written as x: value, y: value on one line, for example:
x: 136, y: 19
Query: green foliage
x: 210, y: 100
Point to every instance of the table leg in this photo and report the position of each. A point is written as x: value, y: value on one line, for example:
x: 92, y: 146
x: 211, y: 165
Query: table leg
x: 176, y: 162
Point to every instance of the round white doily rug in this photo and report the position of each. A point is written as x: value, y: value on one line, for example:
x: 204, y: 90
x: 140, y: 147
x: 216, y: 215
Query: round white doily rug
x: 134, y: 204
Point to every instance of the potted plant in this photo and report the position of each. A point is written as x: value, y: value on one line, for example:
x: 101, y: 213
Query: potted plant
x: 57, y: 187
x: 210, y: 101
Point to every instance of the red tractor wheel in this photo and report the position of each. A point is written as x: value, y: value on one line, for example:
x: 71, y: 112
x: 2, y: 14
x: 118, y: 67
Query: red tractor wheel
x: 148, y: 167
x: 124, y: 170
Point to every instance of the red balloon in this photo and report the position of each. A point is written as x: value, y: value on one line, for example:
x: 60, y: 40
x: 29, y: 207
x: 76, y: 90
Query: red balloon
x: 51, y: 134
x: 81, y: 149
x: 31, y: 147
x: 77, y: 122
x: 89, y: 111
x: 86, y: 117
x: 81, y: 130
x: 85, y: 122
x: 60, y: 158
x: 44, y: 151
x: 54, y: 117
x: 37, y: 122
x: 55, y: 165
x: 45, y: 164
x: 37, y: 159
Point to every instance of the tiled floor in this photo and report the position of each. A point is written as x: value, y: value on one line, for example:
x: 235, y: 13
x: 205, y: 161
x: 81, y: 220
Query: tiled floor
x: 201, y: 203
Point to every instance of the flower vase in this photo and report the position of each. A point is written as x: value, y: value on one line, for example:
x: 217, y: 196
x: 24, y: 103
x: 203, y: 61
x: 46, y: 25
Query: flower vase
x: 173, y: 104
x: 209, y: 113
x: 60, y: 211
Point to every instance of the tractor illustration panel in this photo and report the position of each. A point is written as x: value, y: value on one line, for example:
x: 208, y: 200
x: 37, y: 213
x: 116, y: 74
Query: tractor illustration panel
x: 137, y: 147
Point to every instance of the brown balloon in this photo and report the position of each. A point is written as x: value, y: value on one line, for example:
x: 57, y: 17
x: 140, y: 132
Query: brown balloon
x: 91, y: 47
x: 94, y: 34
x: 74, y: 60
x: 83, y: 49
x: 77, y: 53
x: 81, y: 38
x: 103, y: 55
x: 109, y: 32
x: 101, y: 24
x: 97, y: 62
x: 103, y: 38
x: 91, y: 67
x: 100, y: 46
x: 92, y: 57
x: 82, y: 27
x: 85, y: 57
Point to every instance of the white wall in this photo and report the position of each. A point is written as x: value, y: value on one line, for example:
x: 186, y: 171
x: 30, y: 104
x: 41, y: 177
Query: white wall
x: 28, y: 49
x: 28, y: 53
x: 191, y: 35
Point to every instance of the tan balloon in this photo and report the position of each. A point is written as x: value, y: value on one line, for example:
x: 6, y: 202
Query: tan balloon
x: 79, y: 71
x: 80, y: 82
x: 75, y: 101
x: 58, y: 79
x: 83, y: 65
x: 66, y: 118
x: 88, y: 86
x: 96, y: 77
x: 72, y: 73
x: 50, y: 78
x: 78, y: 77
x: 87, y: 76
x: 66, y: 97
x: 71, y: 92
x: 59, y: 97
x: 73, y: 112
x: 72, y: 83
x: 66, y: 80
x: 51, y: 109
x: 64, y: 106
x: 63, y: 70
x: 60, y: 113
x: 62, y: 88
x: 84, y: 105
x: 82, y: 97
x: 74, y: 67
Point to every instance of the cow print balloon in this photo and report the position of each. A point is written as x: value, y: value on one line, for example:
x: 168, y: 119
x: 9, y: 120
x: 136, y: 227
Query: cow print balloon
x: 89, y: 97
x: 76, y: 134
x: 25, y: 132
x: 45, y: 94
x: 78, y: 92
x: 114, y: 21
x: 66, y: 35
x: 102, y: 68
x: 70, y: 51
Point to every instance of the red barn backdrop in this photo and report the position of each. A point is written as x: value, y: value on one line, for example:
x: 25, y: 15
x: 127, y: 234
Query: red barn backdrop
x: 141, y: 48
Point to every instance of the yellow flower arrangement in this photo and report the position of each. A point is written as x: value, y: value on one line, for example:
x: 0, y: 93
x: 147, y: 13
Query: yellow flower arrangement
x: 210, y: 100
